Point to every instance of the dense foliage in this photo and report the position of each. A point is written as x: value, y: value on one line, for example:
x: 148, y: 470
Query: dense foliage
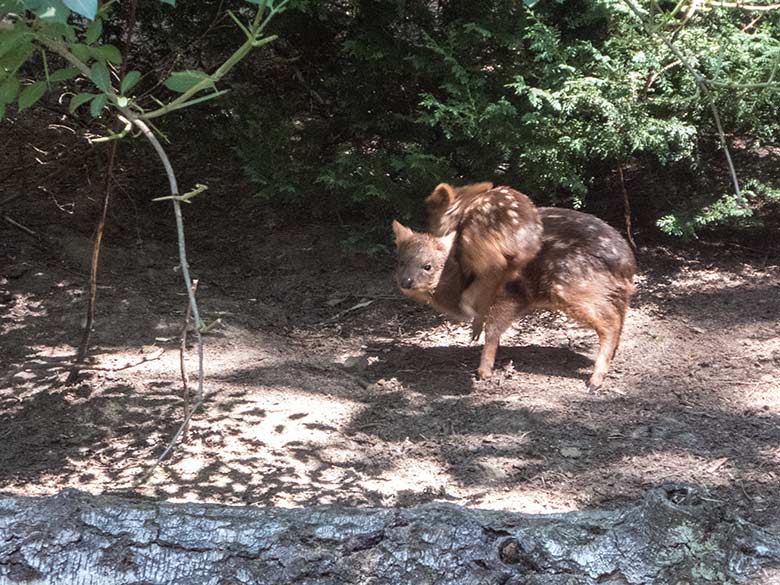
x: 377, y: 101
x: 361, y: 106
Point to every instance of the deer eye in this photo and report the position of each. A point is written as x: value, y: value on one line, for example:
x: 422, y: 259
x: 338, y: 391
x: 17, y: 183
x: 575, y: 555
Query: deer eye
x: 427, y: 267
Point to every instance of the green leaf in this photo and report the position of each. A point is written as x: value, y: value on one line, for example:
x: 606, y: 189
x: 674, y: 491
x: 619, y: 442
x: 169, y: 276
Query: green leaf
x: 8, y: 90
x: 52, y: 11
x: 64, y: 74
x: 107, y: 53
x: 122, y: 101
x: 129, y: 81
x: 87, y: 8
x: 82, y: 52
x: 31, y: 94
x: 11, y: 40
x: 2, y: 111
x: 94, y: 31
x: 169, y: 2
x: 58, y: 31
x: 100, y: 76
x: 78, y: 100
x: 15, y: 58
x: 181, y: 81
x: 97, y: 105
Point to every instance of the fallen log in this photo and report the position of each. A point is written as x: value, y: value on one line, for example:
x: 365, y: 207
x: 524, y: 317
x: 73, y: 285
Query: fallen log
x: 672, y: 536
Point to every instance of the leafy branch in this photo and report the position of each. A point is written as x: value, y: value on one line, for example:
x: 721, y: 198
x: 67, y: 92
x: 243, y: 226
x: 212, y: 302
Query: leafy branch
x: 703, y: 84
x: 192, y: 82
x: 93, y: 62
x: 49, y: 30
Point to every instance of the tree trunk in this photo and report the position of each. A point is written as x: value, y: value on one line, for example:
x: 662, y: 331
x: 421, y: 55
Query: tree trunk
x: 671, y: 537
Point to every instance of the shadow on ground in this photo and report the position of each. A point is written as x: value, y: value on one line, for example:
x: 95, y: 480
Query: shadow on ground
x: 690, y: 396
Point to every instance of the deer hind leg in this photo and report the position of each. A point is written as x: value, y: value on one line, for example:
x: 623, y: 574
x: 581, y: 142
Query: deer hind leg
x: 608, y: 326
x: 609, y: 338
x: 478, y: 298
x: 500, y: 317
x: 606, y: 318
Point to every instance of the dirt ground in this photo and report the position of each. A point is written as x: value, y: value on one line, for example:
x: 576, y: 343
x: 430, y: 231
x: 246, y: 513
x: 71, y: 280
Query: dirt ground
x: 324, y: 385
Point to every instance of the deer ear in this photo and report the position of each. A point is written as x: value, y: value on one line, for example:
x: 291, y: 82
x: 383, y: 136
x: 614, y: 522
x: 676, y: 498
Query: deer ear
x: 443, y: 196
x: 475, y: 188
x: 401, y: 232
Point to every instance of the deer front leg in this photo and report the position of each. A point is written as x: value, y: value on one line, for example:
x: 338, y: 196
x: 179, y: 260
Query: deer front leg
x: 478, y: 298
x: 500, y: 317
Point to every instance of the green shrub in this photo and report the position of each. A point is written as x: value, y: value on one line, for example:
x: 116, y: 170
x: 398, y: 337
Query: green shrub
x: 395, y: 96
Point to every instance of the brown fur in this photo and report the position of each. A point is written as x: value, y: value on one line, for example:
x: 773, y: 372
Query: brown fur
x: 583, y: 268
x: 498, y: 233
x: 443, y: 198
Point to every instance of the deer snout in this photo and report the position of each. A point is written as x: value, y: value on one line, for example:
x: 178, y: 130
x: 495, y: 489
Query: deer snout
x: 405, y: 282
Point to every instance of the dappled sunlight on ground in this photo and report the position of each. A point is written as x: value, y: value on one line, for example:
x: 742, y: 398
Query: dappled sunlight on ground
x: 310, y: 401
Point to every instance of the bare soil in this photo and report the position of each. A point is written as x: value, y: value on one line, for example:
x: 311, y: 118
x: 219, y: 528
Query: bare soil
x: 325, y: 385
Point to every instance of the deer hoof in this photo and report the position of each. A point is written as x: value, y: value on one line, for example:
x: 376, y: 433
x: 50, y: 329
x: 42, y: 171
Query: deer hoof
x: 476, y: 329
x: 594, y: 386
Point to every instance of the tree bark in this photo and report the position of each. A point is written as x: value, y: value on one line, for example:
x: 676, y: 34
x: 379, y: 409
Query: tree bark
x: 671, y: 537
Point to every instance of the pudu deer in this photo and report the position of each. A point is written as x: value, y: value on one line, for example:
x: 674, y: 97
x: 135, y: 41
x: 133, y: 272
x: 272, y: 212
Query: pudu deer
x: 575, y: 263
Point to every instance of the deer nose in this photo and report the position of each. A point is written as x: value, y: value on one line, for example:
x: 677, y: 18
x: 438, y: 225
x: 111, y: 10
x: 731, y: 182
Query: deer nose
x: 406, y: 282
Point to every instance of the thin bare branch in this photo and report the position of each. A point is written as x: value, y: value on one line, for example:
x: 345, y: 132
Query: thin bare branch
x: 656, y: 74
x: 81, y: 354
x: 750, y: 7
x: 19, y: 226
x: 705, y: 89
x: 185, y: 269
x: 184, y: 425
x: 626, y: 209
x: 182, y: 351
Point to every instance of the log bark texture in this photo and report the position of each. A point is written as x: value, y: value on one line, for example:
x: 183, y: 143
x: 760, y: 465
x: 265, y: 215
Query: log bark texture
x: 671, y: 537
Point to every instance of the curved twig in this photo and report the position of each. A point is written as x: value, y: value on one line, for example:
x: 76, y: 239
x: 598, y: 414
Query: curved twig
x: 185, y: 269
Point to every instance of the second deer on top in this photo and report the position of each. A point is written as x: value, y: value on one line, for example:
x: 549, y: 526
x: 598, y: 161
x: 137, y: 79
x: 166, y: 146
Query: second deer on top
x: 498, y: 232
